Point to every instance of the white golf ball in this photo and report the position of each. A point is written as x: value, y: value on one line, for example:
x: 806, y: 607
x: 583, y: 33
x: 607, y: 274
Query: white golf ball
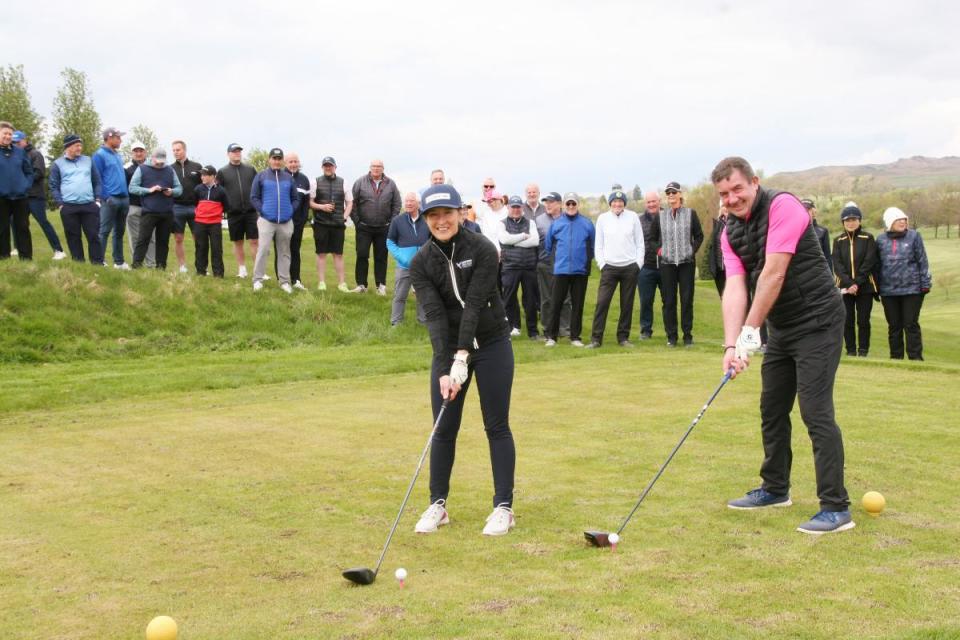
x: 401, y: 574
x: 613, y: 538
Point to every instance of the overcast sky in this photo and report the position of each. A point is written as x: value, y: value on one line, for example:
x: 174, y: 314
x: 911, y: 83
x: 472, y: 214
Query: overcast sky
x: 572, y: 95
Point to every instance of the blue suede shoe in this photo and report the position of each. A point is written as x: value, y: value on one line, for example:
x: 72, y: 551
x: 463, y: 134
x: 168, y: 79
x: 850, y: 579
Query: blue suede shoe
x: 760, y: 499
x: 828, y: 522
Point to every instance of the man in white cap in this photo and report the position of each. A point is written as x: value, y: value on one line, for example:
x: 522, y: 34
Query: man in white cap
x: 138, y: 152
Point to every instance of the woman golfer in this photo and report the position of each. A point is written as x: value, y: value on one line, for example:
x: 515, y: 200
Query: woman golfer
x: 455, y: 277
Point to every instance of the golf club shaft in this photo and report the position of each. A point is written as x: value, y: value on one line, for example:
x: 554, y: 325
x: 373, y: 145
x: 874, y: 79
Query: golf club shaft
x: 403, y: 505
x: 726, y: 378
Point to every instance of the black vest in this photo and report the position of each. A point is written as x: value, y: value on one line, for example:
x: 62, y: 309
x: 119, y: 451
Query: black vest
x: 150, y: 176
x: 512, y: 256
x: 808, y: 288
x: 330, y: 190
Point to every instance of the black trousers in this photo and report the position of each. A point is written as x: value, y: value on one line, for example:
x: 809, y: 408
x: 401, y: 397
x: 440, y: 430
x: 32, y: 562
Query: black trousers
x: 610, y: 277
x: 208, y: 237
x: 576, y: 287
x: 545, y: 289
x: 801, y: 362
x: 673, y: 278
x: 858, y: 322
x: 85, y: 219
x: 295, y: 241
x: 366, y: 237
x: 19, y: 212
x: 162, y: 225
x: 903, y: 320
x: 647, y: 283
x: 492, y: 367
x: 513, y: 280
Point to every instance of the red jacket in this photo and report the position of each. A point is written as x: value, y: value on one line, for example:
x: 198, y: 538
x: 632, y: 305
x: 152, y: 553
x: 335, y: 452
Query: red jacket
x: 210, y: 201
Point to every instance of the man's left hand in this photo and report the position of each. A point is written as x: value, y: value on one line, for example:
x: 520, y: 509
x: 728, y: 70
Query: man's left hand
x: 748, y: 342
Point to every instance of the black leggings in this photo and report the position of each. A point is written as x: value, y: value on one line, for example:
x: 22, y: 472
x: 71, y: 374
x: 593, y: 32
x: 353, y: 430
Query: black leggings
x: 492, y: 365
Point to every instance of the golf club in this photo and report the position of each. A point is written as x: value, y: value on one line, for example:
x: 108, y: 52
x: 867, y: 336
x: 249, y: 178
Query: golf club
x: 602, y: 538
x: 363, y: 575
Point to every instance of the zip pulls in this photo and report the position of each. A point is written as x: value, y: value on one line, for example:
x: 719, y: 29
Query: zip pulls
x: 276, y: 175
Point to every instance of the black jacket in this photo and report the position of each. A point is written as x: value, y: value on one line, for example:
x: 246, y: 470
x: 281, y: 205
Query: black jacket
x: 38, y: 188
x: 188, y: 172
x: 372, y: 207
x: 651, y: 238
x: 823, y: 237
x: 237, y: 180
x: 855, y: 261
x: 456, y: 282
x: 715, y: 252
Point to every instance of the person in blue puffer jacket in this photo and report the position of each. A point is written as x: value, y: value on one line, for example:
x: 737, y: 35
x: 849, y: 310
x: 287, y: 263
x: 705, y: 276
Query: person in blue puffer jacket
x: 275, y: 197
x: 573, y: 235
x: 904, y: 279
x: 408, y: 232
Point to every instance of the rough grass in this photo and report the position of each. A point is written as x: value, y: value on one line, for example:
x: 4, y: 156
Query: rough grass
x: 227, y: 482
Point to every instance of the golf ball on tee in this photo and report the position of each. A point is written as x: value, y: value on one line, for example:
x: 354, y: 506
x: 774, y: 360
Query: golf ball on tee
x: 401, y: 574
x: 613, y: 538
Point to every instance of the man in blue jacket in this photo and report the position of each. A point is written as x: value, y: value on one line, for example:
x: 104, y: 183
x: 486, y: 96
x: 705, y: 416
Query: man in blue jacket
x: 275, y: 197
x: 16, y: 176
x: 572, y: 234
x: 114, y: 198
x: 407, y: 233
x: 75, y: 188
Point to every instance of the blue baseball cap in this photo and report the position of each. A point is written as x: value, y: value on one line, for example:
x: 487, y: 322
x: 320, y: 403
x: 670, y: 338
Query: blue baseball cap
x: 439, y: 195
x: 515, y: 201
x: 18, y: 136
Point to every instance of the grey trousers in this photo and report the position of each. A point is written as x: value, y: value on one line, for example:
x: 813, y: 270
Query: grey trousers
x: 401, y: 289
x: 133, y: 232
x: 271, y: 232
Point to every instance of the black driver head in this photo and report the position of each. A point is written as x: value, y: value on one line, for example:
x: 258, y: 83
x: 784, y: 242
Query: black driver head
x: 597, y: 538
x: 360, y: 575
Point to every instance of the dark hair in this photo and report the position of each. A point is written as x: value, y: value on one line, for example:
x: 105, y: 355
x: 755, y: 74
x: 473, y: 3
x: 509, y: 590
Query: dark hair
x: 180, y: 142
x: 727, y: 166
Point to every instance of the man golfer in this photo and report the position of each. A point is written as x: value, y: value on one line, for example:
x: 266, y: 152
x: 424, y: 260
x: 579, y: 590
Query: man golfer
x: 771, y: 254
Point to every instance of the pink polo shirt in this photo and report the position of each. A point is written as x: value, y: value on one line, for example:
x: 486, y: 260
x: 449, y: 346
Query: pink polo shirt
x: 786, y: 223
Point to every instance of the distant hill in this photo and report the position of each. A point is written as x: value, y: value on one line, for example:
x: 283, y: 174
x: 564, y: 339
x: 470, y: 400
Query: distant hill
x: 918, y: 171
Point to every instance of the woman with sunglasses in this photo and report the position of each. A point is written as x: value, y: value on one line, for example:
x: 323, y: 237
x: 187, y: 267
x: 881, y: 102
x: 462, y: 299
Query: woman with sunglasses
x: 455, y: 276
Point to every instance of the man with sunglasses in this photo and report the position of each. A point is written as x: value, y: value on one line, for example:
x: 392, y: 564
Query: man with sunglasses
x: 680, y: 238
x: 573, y: 235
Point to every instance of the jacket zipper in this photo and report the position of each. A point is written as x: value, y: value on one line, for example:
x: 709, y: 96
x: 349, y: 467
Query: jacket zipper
x: 853, y: 269
x: 453, y: 281
x: 276, y: 175
x: 240, y: 183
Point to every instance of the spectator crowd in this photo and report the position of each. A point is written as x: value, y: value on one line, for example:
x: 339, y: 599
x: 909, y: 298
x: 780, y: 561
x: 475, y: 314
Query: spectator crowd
x: 546, y: 246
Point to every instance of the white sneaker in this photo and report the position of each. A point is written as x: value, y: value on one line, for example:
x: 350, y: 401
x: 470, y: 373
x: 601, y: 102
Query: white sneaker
x: 265, y: 277
x: 550, y: 343
x: 499, y: 522
x: 14, y: 253
x: 340, y: 287
x: 576, y: 343
x: 122, y: 267
x: 382, y: 290
x: 242, y: 272
x: 183, y: 268
x: 286, y: 287
x: 299, y: 285
x: 514, y: 332
x: 359, y: 289
x: 59, y: 255
x: 435, y: 516
x: 257, y: 285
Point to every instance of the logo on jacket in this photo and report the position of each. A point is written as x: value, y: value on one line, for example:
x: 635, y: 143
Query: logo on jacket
x: 466, y: 264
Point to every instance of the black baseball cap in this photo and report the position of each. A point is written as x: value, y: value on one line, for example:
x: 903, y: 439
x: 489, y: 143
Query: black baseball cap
x: 276, y: 152
x: 808, y: 203
x: 515, y: 201
x: 328, y: 160
x: 673, y: 186
x: 209, y: 170
x: 553, y: 196
x: 233, y: 146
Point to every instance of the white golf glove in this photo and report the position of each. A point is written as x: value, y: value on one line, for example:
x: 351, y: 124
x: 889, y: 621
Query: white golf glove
x: 458, y: 370
x: 748, y: 342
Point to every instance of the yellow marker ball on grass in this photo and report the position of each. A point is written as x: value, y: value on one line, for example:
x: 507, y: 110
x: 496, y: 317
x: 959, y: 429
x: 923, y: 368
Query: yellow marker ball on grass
x: 162, y: 628
x: 874, y: 503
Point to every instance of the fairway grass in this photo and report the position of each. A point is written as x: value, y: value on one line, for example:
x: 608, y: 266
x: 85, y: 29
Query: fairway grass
x: 235, y: 510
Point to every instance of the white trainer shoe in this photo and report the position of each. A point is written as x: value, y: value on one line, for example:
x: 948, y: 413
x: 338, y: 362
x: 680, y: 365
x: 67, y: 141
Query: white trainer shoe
x: 242, y: 272
x: 286, y: 287
x: 514, y: 332
x: 576, y: 343
x: 435, y: 516
x: 360, y: 288
x: 122, y: 267
x: 341, y: 287
x: 183, y: 268
x: 59, y: 255
x: 14, y: 253
x: 550, y: 342
x: 382, y: 290
x: 266, y: 277
x: 321, y: 286
x: 499, y: 522
x: 257, y: 285
x: 299, y: 285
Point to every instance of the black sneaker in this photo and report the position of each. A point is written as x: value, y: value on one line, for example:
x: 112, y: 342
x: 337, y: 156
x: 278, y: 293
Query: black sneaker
x: 671, y: 344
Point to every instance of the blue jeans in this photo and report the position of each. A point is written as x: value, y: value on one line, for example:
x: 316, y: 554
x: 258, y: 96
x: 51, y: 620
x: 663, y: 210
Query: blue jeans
x: 647, y: 284
x: 38, y: 208
x: 113, y: 217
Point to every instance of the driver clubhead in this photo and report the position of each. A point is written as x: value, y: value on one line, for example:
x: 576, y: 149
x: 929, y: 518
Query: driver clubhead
x: 597, y: 538
x: 360, y: 575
